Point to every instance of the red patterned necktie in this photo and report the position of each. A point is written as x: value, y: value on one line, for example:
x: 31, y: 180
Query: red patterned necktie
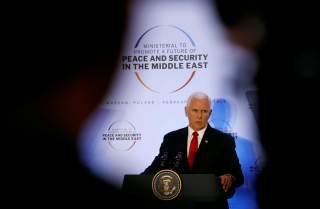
x: 193, y: 148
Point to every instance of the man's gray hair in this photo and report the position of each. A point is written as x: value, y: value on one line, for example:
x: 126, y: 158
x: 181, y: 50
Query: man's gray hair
x: 198, y: 95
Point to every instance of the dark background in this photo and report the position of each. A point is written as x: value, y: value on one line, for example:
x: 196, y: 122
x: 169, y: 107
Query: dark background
x: 54, y: 52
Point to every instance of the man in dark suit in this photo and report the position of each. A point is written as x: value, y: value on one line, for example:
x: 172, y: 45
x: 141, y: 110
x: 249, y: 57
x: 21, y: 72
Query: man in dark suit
x: 203, y: 149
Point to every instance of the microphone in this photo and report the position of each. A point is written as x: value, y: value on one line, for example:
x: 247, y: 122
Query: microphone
x: 164, y: 160
x: 176, y: 164
x: 169, y: 161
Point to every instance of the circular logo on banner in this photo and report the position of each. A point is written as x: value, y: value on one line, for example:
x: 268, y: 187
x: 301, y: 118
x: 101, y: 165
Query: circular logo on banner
x: 121, y: 135
x: 166, y: 185
x: 164, y: 54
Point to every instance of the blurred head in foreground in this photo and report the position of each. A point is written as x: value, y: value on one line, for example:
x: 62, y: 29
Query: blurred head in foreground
x: 63, y: 60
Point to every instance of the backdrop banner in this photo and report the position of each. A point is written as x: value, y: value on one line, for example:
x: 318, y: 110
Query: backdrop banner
x: 172, y: 49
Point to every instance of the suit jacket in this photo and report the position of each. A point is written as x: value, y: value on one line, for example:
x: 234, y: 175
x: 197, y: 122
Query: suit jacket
x: 216, y: 154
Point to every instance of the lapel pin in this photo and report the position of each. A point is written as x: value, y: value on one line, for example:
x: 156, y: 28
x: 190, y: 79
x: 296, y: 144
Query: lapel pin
x: 206, y: 141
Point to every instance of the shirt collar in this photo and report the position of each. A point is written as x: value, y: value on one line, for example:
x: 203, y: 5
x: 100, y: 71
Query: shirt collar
x: 200, y: 136
x: 200, y: 132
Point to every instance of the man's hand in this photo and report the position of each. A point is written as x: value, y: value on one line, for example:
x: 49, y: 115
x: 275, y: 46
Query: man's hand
x: 226, y: 181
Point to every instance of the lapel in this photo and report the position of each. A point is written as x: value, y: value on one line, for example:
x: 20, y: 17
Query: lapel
x: 183, y: 144
x: 205, y: 147
x: 204, y: 142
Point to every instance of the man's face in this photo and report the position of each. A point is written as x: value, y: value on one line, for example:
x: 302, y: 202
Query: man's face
x: 198, y: 113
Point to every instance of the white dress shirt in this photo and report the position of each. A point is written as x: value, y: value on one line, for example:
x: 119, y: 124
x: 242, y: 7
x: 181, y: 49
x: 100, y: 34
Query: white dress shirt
x: 200, y: 136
